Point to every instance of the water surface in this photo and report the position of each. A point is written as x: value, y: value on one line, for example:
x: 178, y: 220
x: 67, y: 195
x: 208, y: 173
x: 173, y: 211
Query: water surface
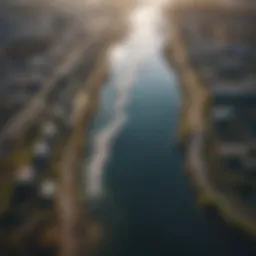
x: 134, y: 157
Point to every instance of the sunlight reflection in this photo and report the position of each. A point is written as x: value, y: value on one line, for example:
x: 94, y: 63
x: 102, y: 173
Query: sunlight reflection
x: 125, y: 60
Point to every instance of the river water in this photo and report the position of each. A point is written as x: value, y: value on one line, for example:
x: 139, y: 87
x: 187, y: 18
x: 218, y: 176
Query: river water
x: 133, y: 155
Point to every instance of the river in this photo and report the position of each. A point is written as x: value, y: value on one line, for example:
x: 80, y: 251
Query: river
x: 133, y: 155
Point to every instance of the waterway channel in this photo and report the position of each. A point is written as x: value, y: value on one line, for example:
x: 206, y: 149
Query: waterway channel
x: 133, y: 155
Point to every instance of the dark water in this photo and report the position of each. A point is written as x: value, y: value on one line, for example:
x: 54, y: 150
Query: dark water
x: 144, y: 176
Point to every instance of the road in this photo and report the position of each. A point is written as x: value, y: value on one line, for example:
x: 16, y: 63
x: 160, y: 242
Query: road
x: 69, y: 206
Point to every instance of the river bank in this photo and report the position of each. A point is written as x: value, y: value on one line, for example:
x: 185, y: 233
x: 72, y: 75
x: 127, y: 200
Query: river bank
x: 136, y: 172
x: 42, y: 168
x: 196, y: 132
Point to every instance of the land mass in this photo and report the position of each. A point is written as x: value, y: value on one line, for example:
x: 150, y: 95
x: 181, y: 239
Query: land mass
x: 50, y: 88
x: 212, y: 47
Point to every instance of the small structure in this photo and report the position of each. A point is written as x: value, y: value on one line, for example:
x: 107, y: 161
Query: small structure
x: 49, y: 131
x: 41, y: 156
x: 250, y: 160
x: 46, y: 193
x: 23, y: 185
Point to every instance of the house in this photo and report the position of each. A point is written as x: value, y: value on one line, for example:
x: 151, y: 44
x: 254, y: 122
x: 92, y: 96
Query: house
x: 41, y: 156
x: 23, y: 185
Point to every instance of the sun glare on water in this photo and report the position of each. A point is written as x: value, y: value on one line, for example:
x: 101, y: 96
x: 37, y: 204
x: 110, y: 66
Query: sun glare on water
x: 125, y: 59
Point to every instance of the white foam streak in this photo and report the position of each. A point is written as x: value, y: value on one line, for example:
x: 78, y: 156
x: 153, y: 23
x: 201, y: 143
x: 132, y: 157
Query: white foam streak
x: 125, y: 61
